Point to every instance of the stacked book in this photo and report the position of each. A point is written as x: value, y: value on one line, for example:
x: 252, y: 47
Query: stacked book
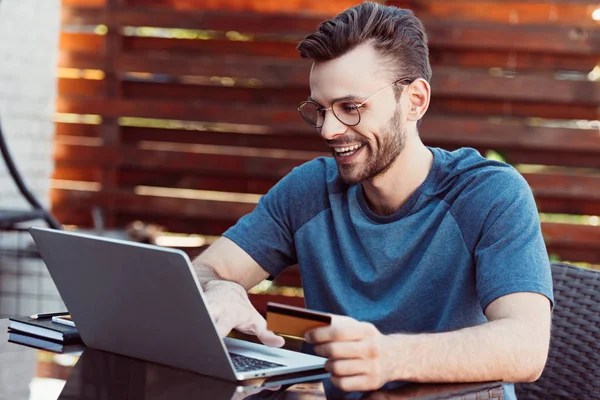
x: 41, y: 331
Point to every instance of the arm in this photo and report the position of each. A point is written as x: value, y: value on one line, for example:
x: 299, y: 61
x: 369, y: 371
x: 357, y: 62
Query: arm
x: 226, y: 272
x: 511, y: 347
x: 226, y: 261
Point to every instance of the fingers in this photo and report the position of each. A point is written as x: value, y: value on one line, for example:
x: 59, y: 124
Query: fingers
x: 344, y: 350
x: 355, y: 383
x: 341, y: 329
x: 346, y: 367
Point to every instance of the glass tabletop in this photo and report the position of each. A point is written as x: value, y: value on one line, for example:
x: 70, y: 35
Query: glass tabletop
x: 84, y: 373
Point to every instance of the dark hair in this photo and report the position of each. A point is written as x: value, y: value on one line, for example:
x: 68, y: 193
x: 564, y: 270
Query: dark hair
x: 396, y: 33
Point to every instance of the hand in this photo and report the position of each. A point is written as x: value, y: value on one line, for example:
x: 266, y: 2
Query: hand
x: 355, y: 351
x: 230, y: 308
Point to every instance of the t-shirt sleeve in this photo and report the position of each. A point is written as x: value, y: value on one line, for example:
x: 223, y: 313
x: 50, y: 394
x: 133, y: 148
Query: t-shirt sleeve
x: 267, y: 233
x: 510, y: 255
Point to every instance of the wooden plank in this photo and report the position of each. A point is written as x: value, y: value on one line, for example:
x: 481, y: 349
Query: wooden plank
x: 199, y: 162
x: 455, y: 130
x: 81, y: 87
x: 499, y: 108
x: 581, y: 159
x: 201, y: 110
x: 80, y: 60
x: 454, y: 82
x: 83, y: 3
x: 77, y: 173
x: 219, y: 20
x: 174, y: 223
x: 573, y: 242
x: 82, y: 130
x: 182, y: 47
x: 265, y: 6
x: 301, y: 140
x: 81, y: 42
x: 511, y: 60
x: 535, y: 39
x: 131, y: 177
x: 270, y: 73
x: 179, y: 91
x: 125, y: 201
x: 565, y: 193
x: 509, y: 12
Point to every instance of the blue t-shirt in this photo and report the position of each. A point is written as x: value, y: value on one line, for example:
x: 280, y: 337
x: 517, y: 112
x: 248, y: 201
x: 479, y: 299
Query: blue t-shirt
x: 468, y: 235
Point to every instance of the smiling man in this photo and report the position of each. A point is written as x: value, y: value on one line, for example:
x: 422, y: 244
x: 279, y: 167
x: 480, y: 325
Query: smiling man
x: 432, y: 261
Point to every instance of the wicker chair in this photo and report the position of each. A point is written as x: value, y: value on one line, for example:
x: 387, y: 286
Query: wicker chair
x: 573, y: 367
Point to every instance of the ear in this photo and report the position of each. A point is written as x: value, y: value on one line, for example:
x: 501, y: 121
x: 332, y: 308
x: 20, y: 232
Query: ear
x: 419, y: 94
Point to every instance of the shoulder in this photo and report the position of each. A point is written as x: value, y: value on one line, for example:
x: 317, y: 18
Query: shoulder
x: 479, y: 191
x: 465, y: 174
x: 304, y: 192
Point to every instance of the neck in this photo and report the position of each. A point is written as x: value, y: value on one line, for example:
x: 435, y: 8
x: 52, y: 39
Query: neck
x: 387, y: 193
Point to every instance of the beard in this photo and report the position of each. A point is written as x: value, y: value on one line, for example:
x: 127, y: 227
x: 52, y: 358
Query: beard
x: 392, y: 142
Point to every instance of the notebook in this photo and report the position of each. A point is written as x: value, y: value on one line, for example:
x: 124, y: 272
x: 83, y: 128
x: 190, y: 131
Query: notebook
x: 43, y: 344
x: 45, y: 328
x: 145, y: 301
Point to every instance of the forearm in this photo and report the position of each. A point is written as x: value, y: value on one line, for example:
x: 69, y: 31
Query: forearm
x: 499, y: 350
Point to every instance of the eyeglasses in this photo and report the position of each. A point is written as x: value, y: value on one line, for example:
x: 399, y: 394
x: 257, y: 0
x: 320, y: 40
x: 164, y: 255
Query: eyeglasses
x: 346, y: 111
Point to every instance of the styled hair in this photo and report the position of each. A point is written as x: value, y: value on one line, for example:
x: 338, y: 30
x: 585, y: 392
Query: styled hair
x: 395, y: 33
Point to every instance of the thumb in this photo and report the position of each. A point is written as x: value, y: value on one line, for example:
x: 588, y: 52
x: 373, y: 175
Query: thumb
x: 266, y: 336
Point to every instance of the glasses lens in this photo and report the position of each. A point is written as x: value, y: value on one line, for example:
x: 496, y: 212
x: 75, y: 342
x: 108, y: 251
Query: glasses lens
x: 347, y: 112
x: 311, y: 113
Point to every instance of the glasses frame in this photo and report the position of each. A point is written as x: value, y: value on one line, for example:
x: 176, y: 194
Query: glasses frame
x: 404, y: 81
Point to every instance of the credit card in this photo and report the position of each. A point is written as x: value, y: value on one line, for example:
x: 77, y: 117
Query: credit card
x: 294, y: 321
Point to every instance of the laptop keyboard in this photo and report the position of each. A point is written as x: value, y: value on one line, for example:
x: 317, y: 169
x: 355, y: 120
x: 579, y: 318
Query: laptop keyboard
x: 245, y: 363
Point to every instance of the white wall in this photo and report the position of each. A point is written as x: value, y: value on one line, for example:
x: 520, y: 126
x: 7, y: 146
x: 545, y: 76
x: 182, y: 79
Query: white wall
x: 29, y: 35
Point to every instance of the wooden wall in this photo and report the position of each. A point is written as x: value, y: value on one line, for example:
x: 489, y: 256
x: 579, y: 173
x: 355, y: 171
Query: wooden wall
x: 183, y: 114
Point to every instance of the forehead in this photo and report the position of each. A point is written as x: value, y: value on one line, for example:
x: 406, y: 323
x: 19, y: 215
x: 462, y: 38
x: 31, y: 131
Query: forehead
x: 358, y: 72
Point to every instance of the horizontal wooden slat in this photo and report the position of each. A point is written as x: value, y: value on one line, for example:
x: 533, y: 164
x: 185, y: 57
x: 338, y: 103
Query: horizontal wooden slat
x: 506, y: 108
x: 206, y: 20
x: 126, y: 201
x: 131, y: 177
x: 81, y: 87
x: 573, y: 242
x: 82, y: 42
x: 511, y: 60
x: 290, y: 6
x: 292, y: 141
x: 77, y: 173
x: 448, y: 130
x: 454, y: 82
x: 289, y: 96
x: 271, y: 73
x: 566, y: 193
x: 83, y: 130
x: 501, y: 11
x: 218, y: 164
x: 193, y: 111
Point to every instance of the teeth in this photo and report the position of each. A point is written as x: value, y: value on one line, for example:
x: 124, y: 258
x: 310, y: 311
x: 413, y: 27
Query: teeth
x: 347, y: 149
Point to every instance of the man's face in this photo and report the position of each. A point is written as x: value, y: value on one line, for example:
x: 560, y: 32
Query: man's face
x: 370, y: 148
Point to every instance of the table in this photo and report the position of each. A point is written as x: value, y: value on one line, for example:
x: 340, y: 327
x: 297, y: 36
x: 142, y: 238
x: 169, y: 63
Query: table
x: 33, y: 374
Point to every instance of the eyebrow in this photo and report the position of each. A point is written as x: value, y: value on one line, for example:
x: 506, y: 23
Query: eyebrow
x: 352, y: 97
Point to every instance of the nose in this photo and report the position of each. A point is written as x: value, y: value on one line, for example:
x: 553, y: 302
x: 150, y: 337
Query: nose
x: 332, y: 127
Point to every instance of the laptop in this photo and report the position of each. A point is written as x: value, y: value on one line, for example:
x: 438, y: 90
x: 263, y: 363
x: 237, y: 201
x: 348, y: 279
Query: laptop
x: 146, y: 302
